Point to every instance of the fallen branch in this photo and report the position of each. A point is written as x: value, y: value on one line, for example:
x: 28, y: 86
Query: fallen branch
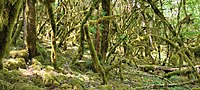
x: 168, y: 70
x: 157, y: 86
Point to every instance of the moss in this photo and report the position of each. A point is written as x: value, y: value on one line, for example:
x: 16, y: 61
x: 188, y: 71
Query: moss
x: 49, y: 68
x: 48, y: 79
x: 104, y: 87
x: 25, y: 86
x: 75, y: 82
x: 65, y: 86
x: 35, y: 61
x: 175, y: 60
x: 19, y: 53
x: 15, y: 63
x: 37, y: 81
x: 195, y: 88
x: 4, y: 85
x: 10, y: 76
x: 121, y: 87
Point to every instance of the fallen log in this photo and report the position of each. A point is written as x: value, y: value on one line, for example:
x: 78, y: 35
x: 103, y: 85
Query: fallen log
x: 169, y: 71
x: 158, y: 86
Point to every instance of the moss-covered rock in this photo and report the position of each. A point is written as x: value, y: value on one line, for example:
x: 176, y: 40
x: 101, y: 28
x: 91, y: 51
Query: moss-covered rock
x: 15, y: 63
x: 19, y: 54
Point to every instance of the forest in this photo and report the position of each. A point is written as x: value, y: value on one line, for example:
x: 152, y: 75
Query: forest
x: 99, y: 45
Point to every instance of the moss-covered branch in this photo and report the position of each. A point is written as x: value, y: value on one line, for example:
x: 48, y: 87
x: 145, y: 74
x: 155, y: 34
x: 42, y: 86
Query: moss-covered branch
x: 168, y: 41
x: 82, y: 33
x: 95, y: 59
x: 53, y: 34
x: 158, y: 86
x: 162, y: 17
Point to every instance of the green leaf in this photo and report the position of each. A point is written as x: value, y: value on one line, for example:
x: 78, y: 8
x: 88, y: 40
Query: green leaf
x: 94, y: 17
x: 103, y: 13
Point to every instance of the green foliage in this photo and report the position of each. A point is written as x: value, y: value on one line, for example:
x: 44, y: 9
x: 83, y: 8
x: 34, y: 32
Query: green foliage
x: 190, y: 34
x: 103, y: 13
x: 92, y: 29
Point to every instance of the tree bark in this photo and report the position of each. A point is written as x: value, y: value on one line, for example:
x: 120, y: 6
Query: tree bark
x: 105, y: 33
x: 53, y: 34
x: 8, y: 17
x: 30, y: 26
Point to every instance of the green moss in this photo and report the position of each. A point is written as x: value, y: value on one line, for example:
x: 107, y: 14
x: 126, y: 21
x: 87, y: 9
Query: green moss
x: 10, y: 76
x: 104, y: 87
x: 37, y: 81
x: 65, y: 86
x: 75, y: 82
x: 35, y: 61
x: 25, y: 86
x: 19, y: 53
x: 47, y: 79
x: 15, y: 63
x: 49, y: 68
x: 175, y: 60
x: 4, y: 85
x: 195, y: 88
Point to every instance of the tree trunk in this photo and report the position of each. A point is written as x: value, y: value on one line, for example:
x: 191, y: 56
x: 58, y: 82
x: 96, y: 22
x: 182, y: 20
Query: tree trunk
x: 105, y: 33
x: 30, y: 32
x: 53, y: 34
x: 82, y: 32
x: 98, y: 35
x: 8, y: 16
x: 98, y: 67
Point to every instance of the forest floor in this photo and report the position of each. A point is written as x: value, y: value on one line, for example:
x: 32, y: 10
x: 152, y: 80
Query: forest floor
x: 42, y: 76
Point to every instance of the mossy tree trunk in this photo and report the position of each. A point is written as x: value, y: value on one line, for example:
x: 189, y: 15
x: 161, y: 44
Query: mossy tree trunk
x: 53, y: 34
x: 8, y: 15
x: 105, y: 33
x: 82, y: 32
x: 98, y: 67
x: 98, y: 40
x: 30, y: 26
